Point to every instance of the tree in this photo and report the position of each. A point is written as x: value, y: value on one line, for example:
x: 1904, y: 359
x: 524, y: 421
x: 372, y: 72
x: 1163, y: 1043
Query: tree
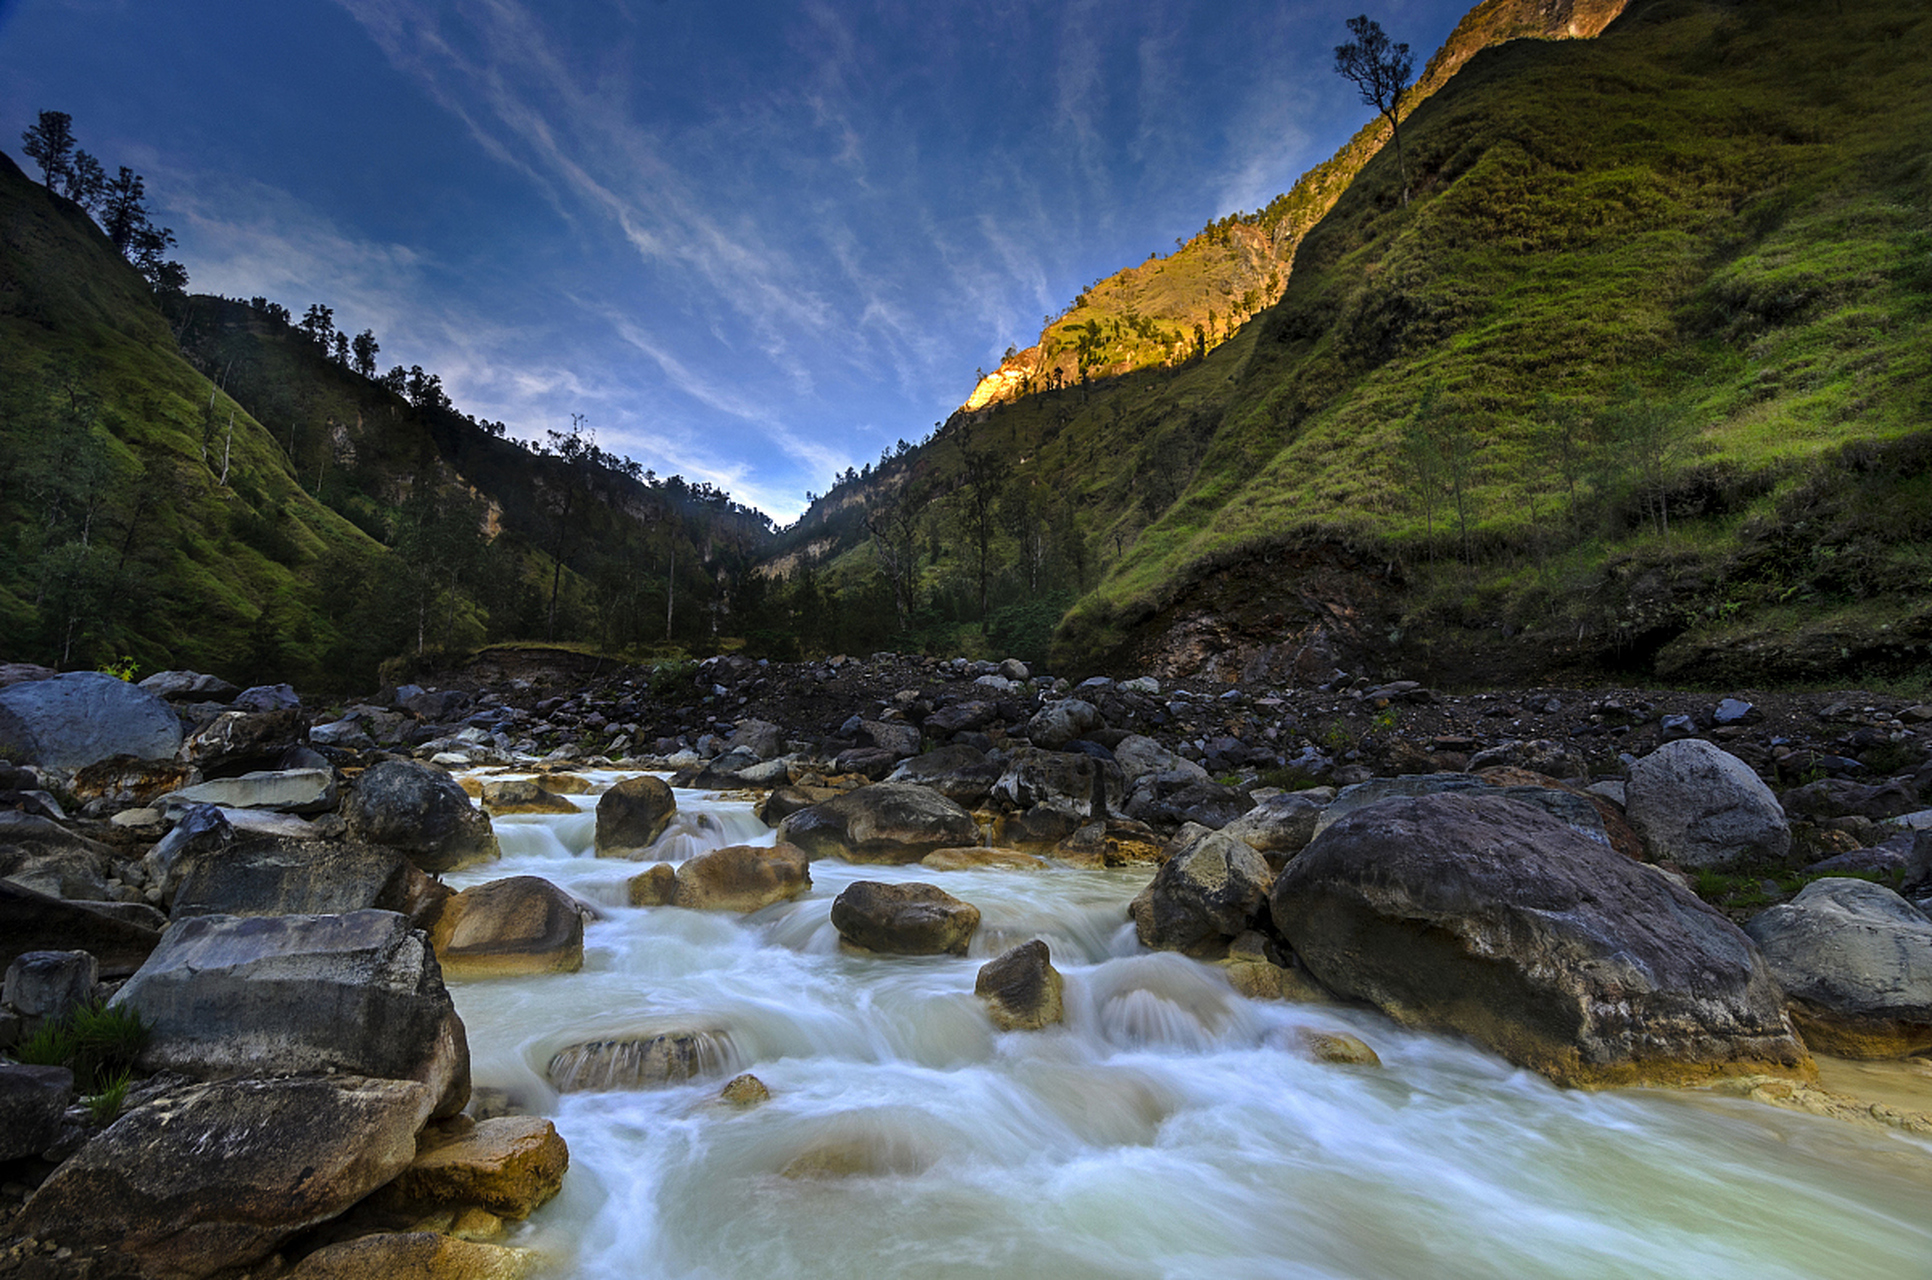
x: 1379, y: 70
x: 50, y: 144
x: 365, y: 348
x: 125, y: 219
x: 319, y: 325
x: 86, y: 181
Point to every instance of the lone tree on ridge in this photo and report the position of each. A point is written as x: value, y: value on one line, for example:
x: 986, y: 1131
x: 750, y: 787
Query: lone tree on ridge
x: 1380, y: 70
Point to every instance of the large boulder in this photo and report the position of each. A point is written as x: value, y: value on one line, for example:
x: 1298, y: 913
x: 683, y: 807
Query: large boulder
x: 49, y: 985
x: 742, y: 877
x: 121, y: 935
x: 42, y: 855
x: 510, y: 928
x: 359, y: 993
x: 904, y: 919
x: 1701, y: 807
x: 241, y: 741
x: 1484, y: 916
x: 276, y: 876
x: 508, y: 1165
x: 889, y: 822
x: 76, y: 719
x: 421, y: 810
x: 1575, y: 809
x: 1855, y: 960
x: 1140, y: 756
x: 1077, y: 784
x: 1207, y: 894
x: 188, y: 686
x: 214, y: 1176
x: 1280, y: 826
x: 632, y: 815
x: 1021, y: 988
x: 1058, y: 723
x: 959, y: 772
x: 762, y: 738
x: 33, y: 1101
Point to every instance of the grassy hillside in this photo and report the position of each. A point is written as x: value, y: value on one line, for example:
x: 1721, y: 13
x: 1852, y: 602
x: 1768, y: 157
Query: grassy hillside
x: 121, y: 539
x: 1173, y: 308
x: 1637, y: 381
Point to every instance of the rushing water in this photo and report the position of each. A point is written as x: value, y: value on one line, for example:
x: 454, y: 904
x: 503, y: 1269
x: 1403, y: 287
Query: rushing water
x: 1169, y: 1128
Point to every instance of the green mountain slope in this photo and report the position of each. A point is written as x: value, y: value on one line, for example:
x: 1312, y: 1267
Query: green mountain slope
x: 1170, y: 309
x: 1637, y: 381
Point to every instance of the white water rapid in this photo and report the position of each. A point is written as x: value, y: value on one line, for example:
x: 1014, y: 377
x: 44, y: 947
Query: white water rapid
x: 1169, y: 1128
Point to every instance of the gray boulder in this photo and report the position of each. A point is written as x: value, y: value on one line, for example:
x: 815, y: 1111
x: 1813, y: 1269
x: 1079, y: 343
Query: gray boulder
x: 760, y: 737
x: 1078, y: 784
x: 359, y: 993
x: 632, y: 815
x: 1483, y: 916
x: 1140, y: 756
x: 76, y: 719
x: 33, y: 1102
x: 1855, y: 960
x: 40, y: 854
x: 1701, y: 807
x: 240, y: 741
x: 1058, y: 723
x: 961, y: 717
x: 49, y: 985
x: 188, y: 686
x: 1204, y: 896
x: 282, y: 790
x: 254, y: 875
x: 1568, y: 807
x: 213, y: 1177
x: 1280, y: 826
x: 898, y: 738
x: 120, y: 935
x: 890, y: 822
x: 959, y: 772
x: 421, y: 810
x: 903, y: 919
x: 268, y: 697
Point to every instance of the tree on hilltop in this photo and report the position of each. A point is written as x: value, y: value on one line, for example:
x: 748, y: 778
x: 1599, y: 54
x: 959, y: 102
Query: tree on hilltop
x: 1379, y: 70
x: 49, y: 143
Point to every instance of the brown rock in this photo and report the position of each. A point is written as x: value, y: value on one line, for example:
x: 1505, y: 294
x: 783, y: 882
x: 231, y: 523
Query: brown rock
x: 520, y: 925
x: 508, y: 1165
x: 904, y: 919
x: 413, y: 1255
x: 1337, y: 1047
x: 745, y: 1091
x: 522, y: 795
x: 632, y: 815
x: 1021, y: 988
x: 977, y: 858
x: 655, y: 886
x: 742, y: 877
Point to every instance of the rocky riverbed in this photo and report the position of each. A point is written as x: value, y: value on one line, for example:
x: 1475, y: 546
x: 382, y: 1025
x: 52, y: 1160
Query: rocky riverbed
x: 1558, y: 875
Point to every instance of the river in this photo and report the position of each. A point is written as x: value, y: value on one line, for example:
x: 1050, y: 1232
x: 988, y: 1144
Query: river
x: 1170, y: 1128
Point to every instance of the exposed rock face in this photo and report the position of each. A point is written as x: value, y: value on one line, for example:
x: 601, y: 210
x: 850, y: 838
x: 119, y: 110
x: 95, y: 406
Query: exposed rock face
x: 71, y: 721
x: 421, y: 810
x: 33, y: 1101
x: 1855, y: 960
x: 742, y: 877
x: 359, y: 993
x: 272, y: 875
x: 891, y: 822
x: 292, y: 1153
x: 632, y: 815
x: 1206, y: 894
x: 1701, y: 807
x: 1484, y: 916
x: 904, y: 919
x: 510, y: 928
x: 1021, y: 988
x: 508, y: 1165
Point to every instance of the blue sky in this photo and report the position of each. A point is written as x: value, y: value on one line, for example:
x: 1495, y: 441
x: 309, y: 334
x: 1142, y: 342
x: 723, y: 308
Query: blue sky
x: 753, y: 243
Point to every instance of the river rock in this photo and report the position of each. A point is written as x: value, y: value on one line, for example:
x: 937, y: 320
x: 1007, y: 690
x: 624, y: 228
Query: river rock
x: 1484, y: 916
x: 639, y: 1062
x: 961, y: 717
x: 889, y: 822
x: 1574, y: 809
x: 358, y: 993
x: 413, y: 1255
x: 510, y: 928
x: 1702, y: 808
x: 49, y: 985
x: 33, y: 1102
x: 421, y: 810
x: 1021, y: 988
x: 904, y: 919
x: 632, y: 815
x: 120, y: 935
x: 1072, y: 782
x: 1337, y: 1047
x: 959, y: 772
x: 1140, y: 756
x: 215, y: 1176
x: 1058, y: 723
x: 896, y: 737
x: 655, y: 886
x: 522, y: 795
x: 188, y: 686
x: 240, y: 741
x: 1280, y: 826
x: 1111, y: 842
x: 742, y: 877
x: 42, y: 855
x: 1830, y: 798
x: 71, y: 721
x: 1207, y: 893
x: 1855, y: 960
x: 508, y: 1165
x: 301, y: 791
x: 256, y: 875
x: 981, y: 858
